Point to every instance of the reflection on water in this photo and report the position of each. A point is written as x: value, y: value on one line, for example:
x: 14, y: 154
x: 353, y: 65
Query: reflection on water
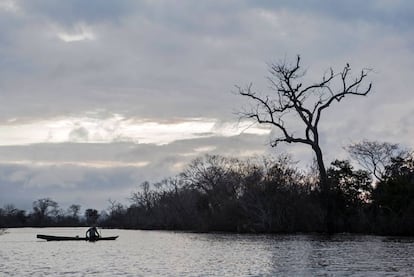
x: 157, y: 253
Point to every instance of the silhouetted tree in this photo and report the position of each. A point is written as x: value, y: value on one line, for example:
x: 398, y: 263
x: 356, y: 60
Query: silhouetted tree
x: 43, y: 209
x: 73, y: 210
x: 91, y: 216
x: 375, y: 156
x: 290, y: 96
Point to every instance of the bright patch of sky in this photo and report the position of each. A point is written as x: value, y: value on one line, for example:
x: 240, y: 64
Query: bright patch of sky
x: 80, y: 32
x: 117, y: 128
x: 93, y: 164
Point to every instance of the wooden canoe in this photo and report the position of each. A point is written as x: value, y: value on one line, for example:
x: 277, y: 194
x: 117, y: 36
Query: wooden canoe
x: 61, y: 238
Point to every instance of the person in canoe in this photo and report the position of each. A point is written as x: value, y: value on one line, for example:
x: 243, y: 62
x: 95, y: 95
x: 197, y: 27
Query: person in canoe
x: 92, y: 233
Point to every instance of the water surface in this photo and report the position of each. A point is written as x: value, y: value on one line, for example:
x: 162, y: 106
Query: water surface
x: 159, y: 253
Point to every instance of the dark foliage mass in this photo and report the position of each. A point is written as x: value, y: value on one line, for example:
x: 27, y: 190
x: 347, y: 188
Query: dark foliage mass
x: 270, y: 195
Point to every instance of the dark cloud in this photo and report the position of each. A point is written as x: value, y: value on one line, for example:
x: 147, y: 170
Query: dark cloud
x: 90, y: 187
x: 89, y: 174
x: 79, y: 134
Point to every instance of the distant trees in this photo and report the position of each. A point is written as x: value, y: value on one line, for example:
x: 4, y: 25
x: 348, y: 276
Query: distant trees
x: 166, y: 205
x: 45, y: 212
x: 10, y: 216
x: 218, y: 180
x: 115, y: 218
x: 268, y: 194
x: 228, y: 194
x: 271, y: 195
x: 277, y: 197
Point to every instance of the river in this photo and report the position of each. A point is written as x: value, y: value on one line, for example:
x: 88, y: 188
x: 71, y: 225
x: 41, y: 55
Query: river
x: 162, y: 253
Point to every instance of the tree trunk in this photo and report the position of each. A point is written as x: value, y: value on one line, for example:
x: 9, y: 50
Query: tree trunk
x: 326, y: 197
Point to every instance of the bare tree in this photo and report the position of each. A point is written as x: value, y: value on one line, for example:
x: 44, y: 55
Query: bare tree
x: 289, y: 96
x: 43, y: 208
x: 144, y: 198
x: 375, y: 156
x: 73, y: 210
x: 115, y: 208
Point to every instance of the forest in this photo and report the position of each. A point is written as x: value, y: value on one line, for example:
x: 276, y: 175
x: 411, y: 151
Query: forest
x: 257, y: 195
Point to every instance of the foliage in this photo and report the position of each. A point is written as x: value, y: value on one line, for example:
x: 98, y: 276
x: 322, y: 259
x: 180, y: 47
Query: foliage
x: 394, y: 197
x: 353, y: 187
x: 259, y: 195
x: 350, y: 193
x: 91, y: 216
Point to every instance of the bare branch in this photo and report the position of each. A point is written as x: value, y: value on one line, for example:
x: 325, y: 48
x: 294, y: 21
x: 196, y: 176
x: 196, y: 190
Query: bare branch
x: 347, y: 89
x: 375, y: 156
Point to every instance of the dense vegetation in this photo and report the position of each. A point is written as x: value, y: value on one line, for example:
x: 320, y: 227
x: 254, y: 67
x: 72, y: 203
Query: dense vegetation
x: 271, y: 195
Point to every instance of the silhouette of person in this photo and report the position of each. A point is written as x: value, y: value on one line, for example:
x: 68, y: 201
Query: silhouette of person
x: 92, y: 233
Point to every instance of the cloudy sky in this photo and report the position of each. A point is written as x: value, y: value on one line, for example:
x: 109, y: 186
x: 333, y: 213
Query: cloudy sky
x: 98, y: 96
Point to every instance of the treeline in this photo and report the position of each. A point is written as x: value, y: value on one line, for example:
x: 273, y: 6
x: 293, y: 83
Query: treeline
x: 46, y: 213
x: 269, y: 195
x: 220, y: 194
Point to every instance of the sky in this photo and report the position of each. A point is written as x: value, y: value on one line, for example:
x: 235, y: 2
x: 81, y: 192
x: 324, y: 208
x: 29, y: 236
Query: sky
x: 98, y: 96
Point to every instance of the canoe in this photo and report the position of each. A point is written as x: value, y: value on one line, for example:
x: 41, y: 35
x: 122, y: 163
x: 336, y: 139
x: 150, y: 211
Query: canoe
x: 60, y: 238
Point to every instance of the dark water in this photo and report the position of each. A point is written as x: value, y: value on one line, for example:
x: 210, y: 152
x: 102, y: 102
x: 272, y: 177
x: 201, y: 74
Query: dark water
x: 154, y: 253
